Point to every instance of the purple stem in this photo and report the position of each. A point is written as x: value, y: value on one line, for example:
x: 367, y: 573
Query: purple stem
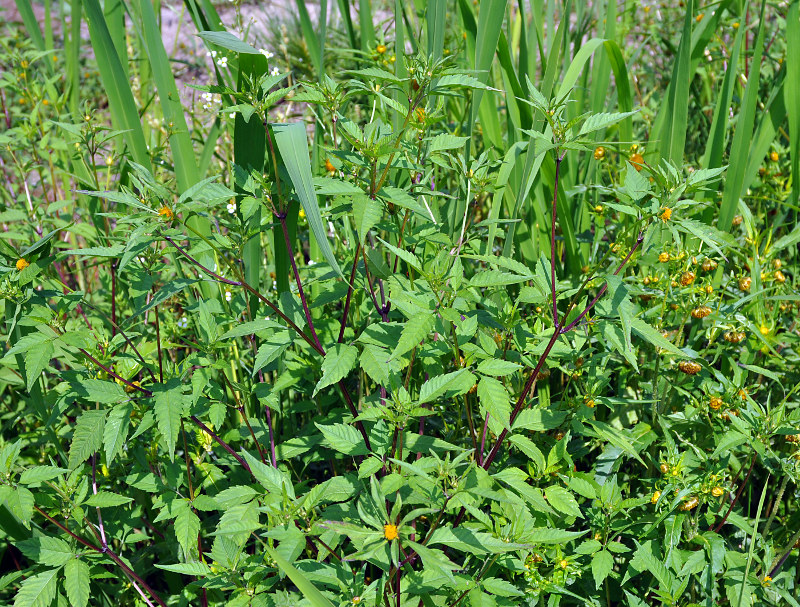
x: 290, y: 251
x: 350, y: 287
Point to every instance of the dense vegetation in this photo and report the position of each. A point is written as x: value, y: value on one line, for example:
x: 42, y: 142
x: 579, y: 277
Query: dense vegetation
x: 433, y: 304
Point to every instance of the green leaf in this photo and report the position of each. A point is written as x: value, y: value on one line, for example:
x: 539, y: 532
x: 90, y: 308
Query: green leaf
x: 602, y: 565
x: 269, y: 477
x: 339, y: 361
x: 116, y: 430
x: 187, y: 526
x: 39, y: 474
x: 47, y: 551
x: 76, y: 582
x: 168, y: 407
x: 494, y: 399
x: 292, y: 142
x: 455, y: 383
x: 562, y: 500
x: 271, y: 349
x: 496, y: 278
x: 344, y: 439
x: 501, y: 587
x: 446, y: 141
x: 172, y: 288
x: 647, y: 332
x: 406, y: 256
x: 124, y: 113
x: 601, y: 121
x: 303, y: 584
x: 637, y: 186
x: 498, y: 367
x: 196, y: 569
x: 20, y: 502
x: 414, y: 332
x: 100, y: 391
x: 373, y: 361
x: 228, y: 41
x: 36, y: 360
x: 87, y: 438
x: 38, y: 590
x: 106, y: 499
x: 366, y: 213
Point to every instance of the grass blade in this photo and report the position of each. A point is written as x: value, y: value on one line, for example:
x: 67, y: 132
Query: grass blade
x: 292, y: 144
x: 25, y: 9
x: 674, y: 115
x: 435, y: 21
x: 314, y: 596
x: 740, y: 148
x: 183, y: 157
x: 792, y: 92
x: 124, y: 113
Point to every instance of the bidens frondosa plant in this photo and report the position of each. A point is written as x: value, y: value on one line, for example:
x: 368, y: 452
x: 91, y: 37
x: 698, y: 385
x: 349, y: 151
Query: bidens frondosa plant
x: 398, y: 324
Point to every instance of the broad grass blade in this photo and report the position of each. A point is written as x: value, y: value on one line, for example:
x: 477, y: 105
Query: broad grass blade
x: 292, y: 143
x: 124, y: 113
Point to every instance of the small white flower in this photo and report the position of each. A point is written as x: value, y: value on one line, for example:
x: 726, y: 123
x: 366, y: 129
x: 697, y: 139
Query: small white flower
x: 274, y: 72
x: 311, y: 262
x: 211, y: 54
x: 222, y: 62
x: 228, y: 296
x: 274, y: 284
x: 266, y: 53
x: 183, y: 322
x: 231, y: 207
x: 232, y: 115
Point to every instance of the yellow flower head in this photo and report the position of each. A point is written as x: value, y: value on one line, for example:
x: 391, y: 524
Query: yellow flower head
x: 22, y: 264
x: 390, y: 532
x: 666, y: 214
x: 381, y: 48
x: 599, y: 152
x: 329, y: 166
x: 302, y: 214
x: 166, y: 213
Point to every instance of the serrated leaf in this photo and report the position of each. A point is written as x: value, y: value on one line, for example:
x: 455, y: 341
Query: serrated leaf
x: 446, y: 141
x: 498, y: 367
x: 494, y: 399
x: 269, y: 477
x: 602, y: 565
x: 562, y: 500
x: 637, y: 186
x: 455, y: 383
x: 39, y: 474
x: 106, y: 499
x: 501, y: 587
x: 344, y: 439
x: 116, y: 430
x: 366, y: 213
x: 187, y: 526
x: 339, y: 361
x: 414, y: 331
x: 496, y: 278
x: 406, y: 256
x: 46, y: 550
x: 36, y: 360
x: 168, y: 408
x: 649, y: 333
x: 87, y: 438
x: 99, y: 391
x: 76, y: 582
x: 38, y: 590
x: 196, y: 569
x: 373, y: 361
x: 603, y: 120
x: 20, y: 501
x: 271, y: 349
